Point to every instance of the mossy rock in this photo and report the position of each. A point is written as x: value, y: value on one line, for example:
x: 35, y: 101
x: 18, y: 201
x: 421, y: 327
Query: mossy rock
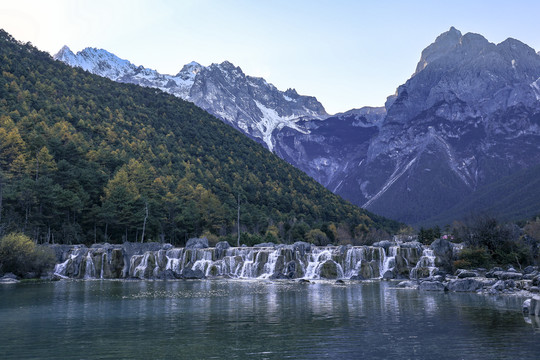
x: 328, y: 270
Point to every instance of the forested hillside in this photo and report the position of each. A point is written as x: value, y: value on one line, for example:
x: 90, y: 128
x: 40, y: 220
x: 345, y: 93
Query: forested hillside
x: 85, y: 159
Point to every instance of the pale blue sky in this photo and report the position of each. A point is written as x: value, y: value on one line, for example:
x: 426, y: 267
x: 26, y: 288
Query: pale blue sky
x: 346, y: 53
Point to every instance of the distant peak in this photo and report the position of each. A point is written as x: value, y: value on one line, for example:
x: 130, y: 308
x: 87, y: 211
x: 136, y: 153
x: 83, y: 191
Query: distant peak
x: 443, y: 44
x: 453, y: 30
x: 63, y: 52
x: 291, y: 93
x: 190, y: 70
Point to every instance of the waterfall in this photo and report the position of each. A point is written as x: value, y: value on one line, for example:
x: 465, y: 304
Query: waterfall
x: 90, y: 269
x: 388, y: 262
x: 147, y: 261
x: 425, y: 266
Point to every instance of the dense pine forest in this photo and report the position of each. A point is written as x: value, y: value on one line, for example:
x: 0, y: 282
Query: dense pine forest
x: 84, y: 159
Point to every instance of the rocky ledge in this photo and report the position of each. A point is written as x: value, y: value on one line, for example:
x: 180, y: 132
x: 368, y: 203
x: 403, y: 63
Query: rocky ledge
x: 496, y: 281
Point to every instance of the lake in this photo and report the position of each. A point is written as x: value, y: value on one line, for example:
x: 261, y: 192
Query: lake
x: 238, y: 319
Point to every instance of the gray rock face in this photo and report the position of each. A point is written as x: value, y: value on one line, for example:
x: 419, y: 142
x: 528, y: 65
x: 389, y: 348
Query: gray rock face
x: 248, y: 103
x: 444, y: 254
x: 467, y: 117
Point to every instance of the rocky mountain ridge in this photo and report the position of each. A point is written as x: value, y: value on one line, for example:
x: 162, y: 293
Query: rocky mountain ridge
x: 468, y: 116
x: 248, y: 103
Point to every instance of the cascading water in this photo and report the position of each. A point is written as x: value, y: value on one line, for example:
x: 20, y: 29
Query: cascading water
x: 389, y: 261
x: 425, y: 266
x: 282, y: 261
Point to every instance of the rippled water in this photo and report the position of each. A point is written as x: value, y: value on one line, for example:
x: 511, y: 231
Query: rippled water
x: 262, y: 320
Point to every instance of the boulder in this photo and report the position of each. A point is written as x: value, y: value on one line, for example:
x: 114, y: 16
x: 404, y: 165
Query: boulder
x: 389, y: 274
x: 265, y: 245
x: 432, y: 286
x: 328, y: 270
x: 462, y: 273
x: 221, y: 249
x: 197, y: 243
x: 536, y: 281
x: 302, y: 247
x: 9, y: 278
x: 508, y: 275
x: 167, y: 275
x: 498, y: 286
x: 384, y: 244
x: 530, y: 269
x: 465, y: 285
x: 192, y: 274
x: 444, y: 254
x: 408, y: 284
x: 439, y: 278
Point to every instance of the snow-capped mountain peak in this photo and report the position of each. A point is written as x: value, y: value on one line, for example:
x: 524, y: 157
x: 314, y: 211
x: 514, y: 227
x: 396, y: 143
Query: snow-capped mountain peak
x: 248, y: 103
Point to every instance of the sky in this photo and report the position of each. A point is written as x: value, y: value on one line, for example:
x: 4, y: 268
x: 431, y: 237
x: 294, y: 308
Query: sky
x: 347, y: 53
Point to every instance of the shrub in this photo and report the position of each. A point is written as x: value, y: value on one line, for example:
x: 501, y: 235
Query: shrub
x: 473, y: 257
x: 19, y: 255
x: 317, y: 237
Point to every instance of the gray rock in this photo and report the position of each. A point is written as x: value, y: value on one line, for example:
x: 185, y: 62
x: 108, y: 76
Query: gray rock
x: 197, y: 243
x: 465, y: 285
x: 9, y: 278
x: 384, y: 244
x: 192, y: 274
x: 265, y: 245
x: 329, y: 270
x: 432, y: 286
x: 439, y: 278
x: 498, y: 286
x: 408, y: 284
x: 167, y: 275
x: 389, y: 274
x: 530, y: 269
x: 444, y: 253
x: 507, y: 275
x: 221, y: 249
x: 536, y: 281
x: 302, y: 247
x: 462, y: 273
x: 530, y: 276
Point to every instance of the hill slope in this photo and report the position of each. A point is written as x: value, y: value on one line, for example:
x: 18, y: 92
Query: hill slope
x: 83, y: 158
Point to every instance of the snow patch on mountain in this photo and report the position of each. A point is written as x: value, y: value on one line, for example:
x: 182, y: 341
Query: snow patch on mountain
x: 271, y: 121
x: 536, y: 86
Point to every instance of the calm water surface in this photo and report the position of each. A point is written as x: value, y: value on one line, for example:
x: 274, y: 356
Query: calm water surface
x: 223, y: 319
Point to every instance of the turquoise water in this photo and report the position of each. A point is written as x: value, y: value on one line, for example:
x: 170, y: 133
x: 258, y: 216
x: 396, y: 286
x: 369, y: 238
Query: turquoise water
x: 226, y: 319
